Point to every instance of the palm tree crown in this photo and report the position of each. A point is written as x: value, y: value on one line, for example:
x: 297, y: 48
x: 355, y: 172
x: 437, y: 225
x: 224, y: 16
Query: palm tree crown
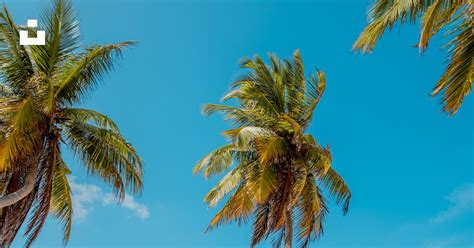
x: 276, y: 171
x: 454, y: 16
x: 39, y: 87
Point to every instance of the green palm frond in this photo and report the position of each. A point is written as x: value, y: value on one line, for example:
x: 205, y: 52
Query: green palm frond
x: 106, y: 154
x: 62, y: 29
x: 316, y: 87
x: 386, y: 14
x: 224, y: 187
x: 262, y: 181
x: 17, y: 67
x: 456, y: 82
x: 293, y: 75
x: 311, y: 213
x: 89, y: 115
x: 239, y: 207
x: 21, y: 127
x: 85, y: 70
x: 247, y: 136
x: 215, y: 162
x: 337, y: 187
x: 44, y: 183
x: 61, y: 198
x: 271, y: 149
x: 428, y: 23
x: 260, y: 224
x: 240, y: 117
x: 454, y: 16
x: 300, y: 176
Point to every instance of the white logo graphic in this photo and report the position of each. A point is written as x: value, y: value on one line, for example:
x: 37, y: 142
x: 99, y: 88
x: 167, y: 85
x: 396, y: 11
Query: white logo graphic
x: 40, y: 35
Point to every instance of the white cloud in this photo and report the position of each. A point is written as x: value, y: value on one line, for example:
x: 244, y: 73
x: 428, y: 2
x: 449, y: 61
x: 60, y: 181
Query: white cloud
x: 83, y: 198
x: 141, y: 211
x: 462, y: 202
x: 87, y: 196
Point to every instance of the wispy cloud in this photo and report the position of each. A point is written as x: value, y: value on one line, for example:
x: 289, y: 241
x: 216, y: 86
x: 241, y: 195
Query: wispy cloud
x: 141, y: 211
x: 437, y: 231
x: 458, y: 240
x: 84, y: 197
x: 461, y: 202
x: 88, y: 196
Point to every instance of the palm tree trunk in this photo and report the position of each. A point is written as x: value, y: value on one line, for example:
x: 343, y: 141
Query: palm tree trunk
x: 15, y: 197
x: 288, y: 229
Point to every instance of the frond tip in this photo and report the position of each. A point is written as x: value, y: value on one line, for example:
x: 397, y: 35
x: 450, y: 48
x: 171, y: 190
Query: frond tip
x: 454, y: 16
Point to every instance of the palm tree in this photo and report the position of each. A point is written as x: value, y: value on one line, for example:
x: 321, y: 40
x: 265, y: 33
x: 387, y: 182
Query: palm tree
x: 276, y: 171
x: 454, y: 16
x: 39, y: 87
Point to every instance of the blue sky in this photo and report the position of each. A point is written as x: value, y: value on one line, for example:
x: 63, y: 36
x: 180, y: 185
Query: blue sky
x: 409, y: 166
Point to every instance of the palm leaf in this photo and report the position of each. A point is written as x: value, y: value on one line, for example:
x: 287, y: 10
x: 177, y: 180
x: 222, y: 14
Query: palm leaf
x: 89, y: 115
x: 61, y: 198
x: 336, y: 186
x: 21, y: 130
x: 456, y: 82
x: 107, y: 155
x: 17, y: 67
x: 62, y: 29
x: 86, y: 70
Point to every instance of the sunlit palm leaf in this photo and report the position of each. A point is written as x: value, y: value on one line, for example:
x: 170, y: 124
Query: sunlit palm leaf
x: 17, y: 67
x: 62, y: 37
x: 85, y: 71
x: 107, y: 155
x: 61, y: 198
x: 456, y: 82
x: 336, y: 186
x: 89, y: 115
x: 21, y: 126
x: 452, y: 15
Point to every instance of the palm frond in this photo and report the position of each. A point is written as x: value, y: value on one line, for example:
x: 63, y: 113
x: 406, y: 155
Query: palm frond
x: 336, y: 186
x: 455, y: 16
x: 428, y: 23
x: 61, y: 198
x: 311, y: 213
x: 224, y: 187
x: 44, y: 183
x: 17, y: 67
x: 386, y: 14
x: 215, y: 162
x: 21, y: 127
x: 263, y: 181
x: 106, y: 154
x: 456, y: 82
x: 86, y: 70
x: 89, y: 115
x: 294, y: 79
x: 271, y: 149
x: 62, y: 37
x: 240, y: 117
x: 260, y: 225
x: 316, y: 88
x: 238, y: 208
x: 247, y: 136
